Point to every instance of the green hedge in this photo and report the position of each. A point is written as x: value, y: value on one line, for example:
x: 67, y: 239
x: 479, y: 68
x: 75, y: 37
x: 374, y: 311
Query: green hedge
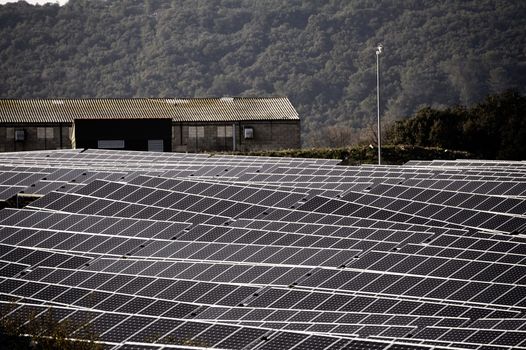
x: 366, y: 155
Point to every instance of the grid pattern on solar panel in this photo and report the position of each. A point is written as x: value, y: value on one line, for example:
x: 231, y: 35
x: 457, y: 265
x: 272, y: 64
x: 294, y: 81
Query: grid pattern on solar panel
x: 232, y: 210
x: 108, y: 228
x: 409, y: 211
x: 247, y: 252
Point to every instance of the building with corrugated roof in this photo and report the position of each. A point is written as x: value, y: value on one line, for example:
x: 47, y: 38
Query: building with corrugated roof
x: 181, y: 125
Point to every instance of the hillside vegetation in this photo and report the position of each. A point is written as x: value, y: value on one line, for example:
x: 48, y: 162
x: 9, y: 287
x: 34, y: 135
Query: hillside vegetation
x: 492, y: 129
x: 319, y: 53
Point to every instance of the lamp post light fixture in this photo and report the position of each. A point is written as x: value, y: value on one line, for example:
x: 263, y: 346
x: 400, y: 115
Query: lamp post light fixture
x: 379, y: 49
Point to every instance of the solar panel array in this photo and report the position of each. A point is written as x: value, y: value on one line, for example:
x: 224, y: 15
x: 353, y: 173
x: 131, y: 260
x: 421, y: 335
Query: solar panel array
x: 157, y: 251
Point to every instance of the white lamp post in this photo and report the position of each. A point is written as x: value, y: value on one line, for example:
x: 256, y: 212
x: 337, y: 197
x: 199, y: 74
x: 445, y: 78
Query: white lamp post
x: 379, y: 135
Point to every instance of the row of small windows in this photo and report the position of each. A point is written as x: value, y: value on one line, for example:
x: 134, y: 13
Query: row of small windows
x: 223, y: 131
x: 43, y: 133
x: 48, y: 133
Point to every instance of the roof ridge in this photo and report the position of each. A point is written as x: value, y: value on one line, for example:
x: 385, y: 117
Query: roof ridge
x: 146, y: 98
x: 193, y: 109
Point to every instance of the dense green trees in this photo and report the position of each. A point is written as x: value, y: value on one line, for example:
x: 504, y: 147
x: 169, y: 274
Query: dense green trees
x: 492, y: 129
x: 319, y: 53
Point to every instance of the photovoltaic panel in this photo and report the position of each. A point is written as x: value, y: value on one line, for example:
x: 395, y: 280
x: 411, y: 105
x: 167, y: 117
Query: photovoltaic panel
x: 223, y: 251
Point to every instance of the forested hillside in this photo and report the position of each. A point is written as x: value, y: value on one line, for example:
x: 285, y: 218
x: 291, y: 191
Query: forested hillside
x: 320, y: 53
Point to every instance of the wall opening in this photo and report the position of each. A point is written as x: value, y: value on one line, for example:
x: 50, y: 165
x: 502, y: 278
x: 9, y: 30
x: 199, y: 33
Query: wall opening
x: 128, y: 134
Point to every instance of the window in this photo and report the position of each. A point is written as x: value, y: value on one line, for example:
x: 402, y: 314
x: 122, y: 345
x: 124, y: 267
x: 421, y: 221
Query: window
x: 20, y: 135
x: 49, y: 133
x: 45, y: 133
x: 110, y: 144
x: 155, y: 145
x: 9, y: 133
x: 248, y: 132
x: 224, y: 131
x: 196, y: 132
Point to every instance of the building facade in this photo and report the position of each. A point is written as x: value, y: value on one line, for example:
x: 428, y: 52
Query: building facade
x: 178, y: 125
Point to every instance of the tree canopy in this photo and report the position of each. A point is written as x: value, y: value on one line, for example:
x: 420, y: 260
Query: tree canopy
x: 319, y: 53
x: 492, y: 129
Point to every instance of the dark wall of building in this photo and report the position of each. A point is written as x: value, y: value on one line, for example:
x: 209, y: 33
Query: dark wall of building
x: 32, y: 137
x: 270, y: 135
x: 221, y: 136
x: 177, y: 137
x: 136, y: 133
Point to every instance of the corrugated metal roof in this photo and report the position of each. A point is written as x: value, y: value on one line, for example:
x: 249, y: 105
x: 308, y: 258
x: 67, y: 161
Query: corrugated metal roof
x: 179, y: 109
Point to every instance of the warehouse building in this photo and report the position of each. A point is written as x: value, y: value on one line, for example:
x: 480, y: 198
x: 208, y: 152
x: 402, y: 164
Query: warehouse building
x: 177, y: 125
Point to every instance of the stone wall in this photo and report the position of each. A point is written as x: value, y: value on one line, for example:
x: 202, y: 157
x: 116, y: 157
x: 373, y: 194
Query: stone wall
x: 217, y: 136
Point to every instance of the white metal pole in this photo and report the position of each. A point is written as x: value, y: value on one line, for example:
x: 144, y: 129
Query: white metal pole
x: 379, y: 132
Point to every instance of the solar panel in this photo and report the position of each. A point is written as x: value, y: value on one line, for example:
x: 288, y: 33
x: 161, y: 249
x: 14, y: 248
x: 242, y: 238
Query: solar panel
x: 266, y: 253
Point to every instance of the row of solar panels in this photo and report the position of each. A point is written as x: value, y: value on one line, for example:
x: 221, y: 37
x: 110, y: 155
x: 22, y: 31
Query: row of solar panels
x: 212, y: 257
